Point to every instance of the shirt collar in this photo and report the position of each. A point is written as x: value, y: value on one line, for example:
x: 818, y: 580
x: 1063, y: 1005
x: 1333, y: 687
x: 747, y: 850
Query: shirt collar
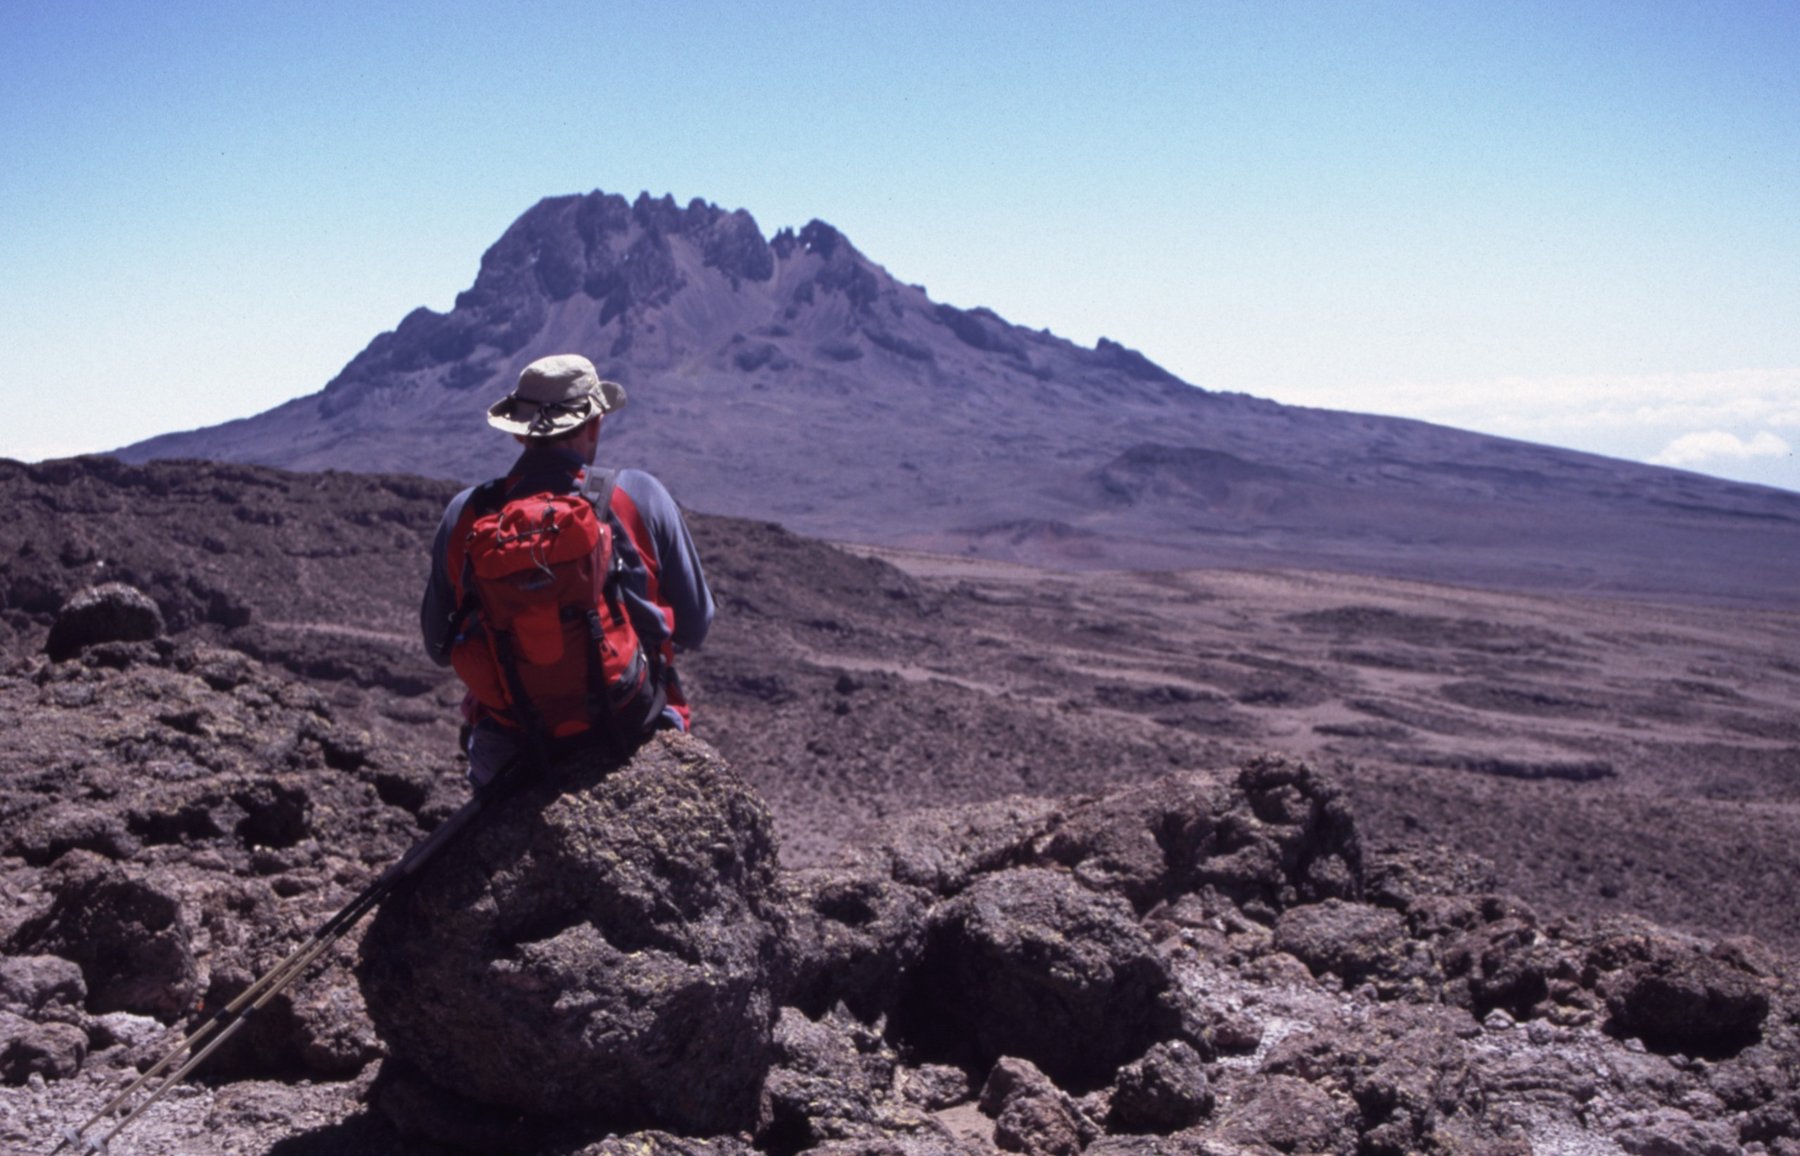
x: 539, y: 457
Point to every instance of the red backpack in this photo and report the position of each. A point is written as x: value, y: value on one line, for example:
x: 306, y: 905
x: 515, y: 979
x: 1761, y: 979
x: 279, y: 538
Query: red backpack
x: 543, y: 640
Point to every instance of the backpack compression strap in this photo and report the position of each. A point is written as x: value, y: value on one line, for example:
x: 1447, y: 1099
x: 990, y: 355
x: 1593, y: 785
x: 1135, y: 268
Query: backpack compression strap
x: 487, y: 497
x: 597, y: 487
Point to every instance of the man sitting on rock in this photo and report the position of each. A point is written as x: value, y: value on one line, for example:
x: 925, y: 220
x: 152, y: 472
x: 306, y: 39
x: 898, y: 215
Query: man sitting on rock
x: 547, y: 676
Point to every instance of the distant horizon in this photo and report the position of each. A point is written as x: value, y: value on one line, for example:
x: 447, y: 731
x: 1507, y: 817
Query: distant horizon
x: 1567, y: 225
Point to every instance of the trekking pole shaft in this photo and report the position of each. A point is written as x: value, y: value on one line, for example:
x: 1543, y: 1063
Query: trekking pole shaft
x: 233, y: 1015
x: 231, y: 1029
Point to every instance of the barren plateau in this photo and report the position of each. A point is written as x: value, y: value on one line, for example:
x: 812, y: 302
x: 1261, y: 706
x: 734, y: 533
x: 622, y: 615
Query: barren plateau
x: 1600, y: 759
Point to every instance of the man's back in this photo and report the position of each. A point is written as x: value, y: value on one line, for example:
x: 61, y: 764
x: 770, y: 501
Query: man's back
x: 652, y: 575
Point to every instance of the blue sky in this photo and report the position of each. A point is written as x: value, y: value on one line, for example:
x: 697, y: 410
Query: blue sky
x: 1576, y: 223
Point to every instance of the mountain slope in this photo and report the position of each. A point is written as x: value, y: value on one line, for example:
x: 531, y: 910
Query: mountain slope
x: 793, y: 379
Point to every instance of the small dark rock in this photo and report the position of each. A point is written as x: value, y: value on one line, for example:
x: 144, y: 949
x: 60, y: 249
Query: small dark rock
x: 944, y: 849
x: 851, y: 935
x: 1678, y: 998
x: 832, y: 1081
x: 1675, y: 1133
x: 53, y: 1051
x: 1289, y: 1115
x: 1164, y: 1091
x: 41, y: 837
x: 1505, y: 961
x: 936, y: 1086
x: 1350, y: 940
x: 31, y: 984
x: 1275, y: 836
x: 1031, y: 1115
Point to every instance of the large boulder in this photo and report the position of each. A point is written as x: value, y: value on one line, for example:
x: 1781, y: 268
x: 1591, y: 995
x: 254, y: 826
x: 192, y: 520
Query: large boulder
x: 109, y: 612
x: 601, y: 944
x: 1680, y: 996
x: 1031, y: 964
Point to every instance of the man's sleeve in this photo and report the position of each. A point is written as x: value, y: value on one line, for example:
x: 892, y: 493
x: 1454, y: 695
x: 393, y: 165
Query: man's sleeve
x: 439, y: 604
x: 680, y: 578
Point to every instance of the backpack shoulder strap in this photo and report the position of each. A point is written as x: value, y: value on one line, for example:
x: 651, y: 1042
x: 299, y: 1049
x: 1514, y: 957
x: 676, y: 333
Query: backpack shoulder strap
x: 486, y: 498
x: 597, y: 487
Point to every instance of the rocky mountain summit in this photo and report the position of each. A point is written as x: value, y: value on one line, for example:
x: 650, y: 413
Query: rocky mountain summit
x: 791, y: 378
x: 985, y: 859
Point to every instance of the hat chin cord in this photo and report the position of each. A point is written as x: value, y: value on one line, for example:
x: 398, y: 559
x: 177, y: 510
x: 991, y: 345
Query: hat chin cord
x: 543, y: 422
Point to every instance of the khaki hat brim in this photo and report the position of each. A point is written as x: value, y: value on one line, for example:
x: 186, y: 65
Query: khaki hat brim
x: 516, y: 415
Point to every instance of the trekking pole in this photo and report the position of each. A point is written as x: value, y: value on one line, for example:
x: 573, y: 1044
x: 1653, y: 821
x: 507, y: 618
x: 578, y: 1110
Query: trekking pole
x: 229, y: 1019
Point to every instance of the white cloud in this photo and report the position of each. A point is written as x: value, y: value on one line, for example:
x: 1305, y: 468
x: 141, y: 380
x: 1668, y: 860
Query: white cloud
x: 1552, y: 407
x: 1731, y: 423
x: 1713, y: 445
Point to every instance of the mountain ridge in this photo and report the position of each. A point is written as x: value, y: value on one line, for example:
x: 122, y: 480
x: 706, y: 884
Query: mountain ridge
x: 794, y: 379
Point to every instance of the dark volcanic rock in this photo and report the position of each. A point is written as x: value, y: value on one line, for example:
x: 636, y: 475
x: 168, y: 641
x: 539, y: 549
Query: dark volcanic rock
x: 1163, y: 1091
x: 1029, y: 963
x: 1680, y: 997
x: 130, y: 936
x: 832, y: 1082
x: 421, y: 1110
x: 1290, y: 1115
x: 110, y: 612
x: 33, y: 984
x: 944, y: 849
x: 1496, y: 956
x: 54, y: 1051
x: 1351, y: 940
x: 852, y: 935
x: 1031, y: 1114
x: 598, y: 947
x: 42, y: 837
x: 1277, y: 835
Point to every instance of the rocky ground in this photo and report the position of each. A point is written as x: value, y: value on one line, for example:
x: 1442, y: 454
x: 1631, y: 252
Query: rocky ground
x: 1516, y: 876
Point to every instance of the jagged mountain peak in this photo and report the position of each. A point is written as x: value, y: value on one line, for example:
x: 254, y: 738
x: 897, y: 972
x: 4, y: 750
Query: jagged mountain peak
x: 623, y: 263
x: 793, y: 378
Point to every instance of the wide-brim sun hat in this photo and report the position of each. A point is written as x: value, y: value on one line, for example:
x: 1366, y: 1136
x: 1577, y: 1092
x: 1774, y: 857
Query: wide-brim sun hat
x: 554, y: 396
